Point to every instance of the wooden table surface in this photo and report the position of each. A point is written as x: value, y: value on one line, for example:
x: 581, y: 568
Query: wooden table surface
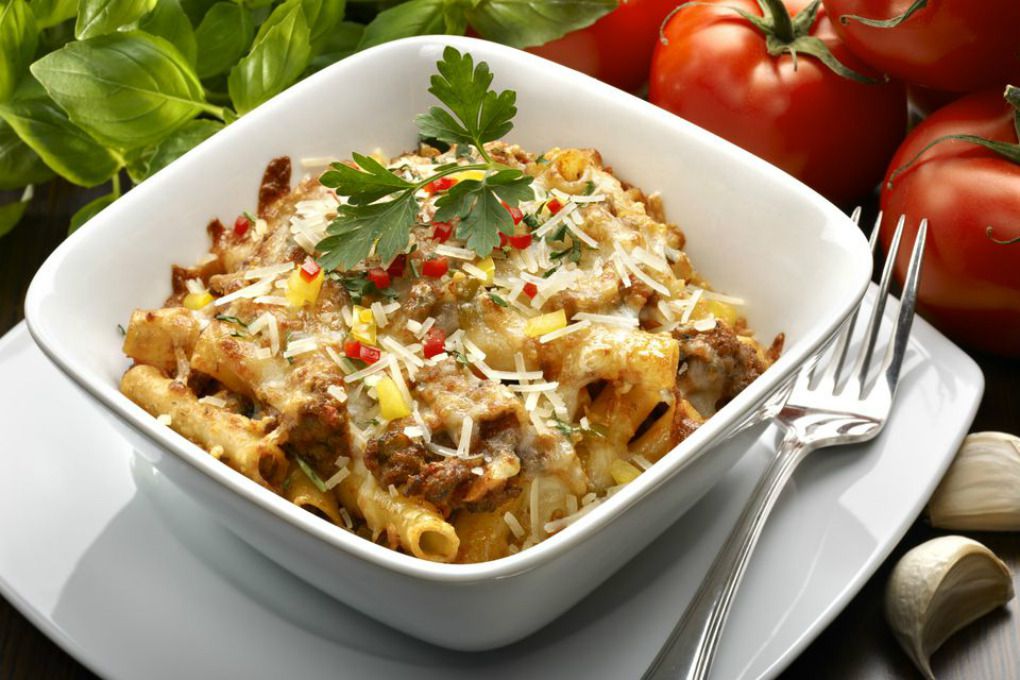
x: 858, y: 644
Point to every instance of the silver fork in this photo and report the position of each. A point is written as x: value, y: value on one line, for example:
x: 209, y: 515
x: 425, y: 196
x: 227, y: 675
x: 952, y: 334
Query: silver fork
x: 827, y: 406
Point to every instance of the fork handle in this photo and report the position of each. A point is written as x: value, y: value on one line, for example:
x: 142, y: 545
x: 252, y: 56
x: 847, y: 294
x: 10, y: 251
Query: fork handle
x: 690, y: 649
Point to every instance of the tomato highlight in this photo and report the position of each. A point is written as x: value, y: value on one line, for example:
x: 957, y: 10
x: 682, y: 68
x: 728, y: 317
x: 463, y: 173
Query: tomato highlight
x: 441, y: 184
x: 352, y: 349
x: 435, y: 267
x: 442, y: 231
x: 396, y: 268
x: 241, y: 225
x: 310, y: 269
x: 369, y: 355
x: 515, y: 213
x: 520, y: 241
x: 379, y: 277
x: 435, y: 342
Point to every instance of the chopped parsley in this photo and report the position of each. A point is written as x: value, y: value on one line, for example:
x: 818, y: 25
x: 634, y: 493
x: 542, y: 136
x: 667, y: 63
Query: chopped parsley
x: 589, y: 188
x: 498, y: 300
x: 121, y: 329
x: 311, y: 474
x: 571, y: 254
x: 230, y: 319
x: 473, y: 115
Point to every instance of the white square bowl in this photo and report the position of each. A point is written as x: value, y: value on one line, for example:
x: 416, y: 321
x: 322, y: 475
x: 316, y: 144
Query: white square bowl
x: 752, y: 230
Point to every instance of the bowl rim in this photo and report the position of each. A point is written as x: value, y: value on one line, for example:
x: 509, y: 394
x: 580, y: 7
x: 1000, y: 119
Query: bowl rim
x: 585, y: 528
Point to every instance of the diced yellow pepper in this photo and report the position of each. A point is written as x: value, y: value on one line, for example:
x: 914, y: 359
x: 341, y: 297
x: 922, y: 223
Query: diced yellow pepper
x: 489, y: 267
x: 363, y: 315
x: 363, y: 327
x: 468, y: 174
x: 720, y: 310
x: 364, y: 333
x: 623, y: 472
x: 546, y: 323
x: 301, y: 292
x: 391, y: 401
x: 197, y: 300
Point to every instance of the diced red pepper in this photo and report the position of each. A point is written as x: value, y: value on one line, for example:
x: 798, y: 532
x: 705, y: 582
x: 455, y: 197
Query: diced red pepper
x: 442, y: 231
x: 396, y: 268
x: 241, y: 225
x: 435, y: 267
x: 380, y: 277
x: 441, y: 184
x: 530, y: 289
x: 352, y: 349
x: 554, y: 206
x: 435, y: 342
x: 515, y: 213
x: 503, y: 240
x: 520, y: 241
x: 370, y: 355
x: 310, y: 269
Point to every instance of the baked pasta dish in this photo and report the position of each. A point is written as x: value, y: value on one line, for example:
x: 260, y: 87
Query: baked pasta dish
x: 453, y: 406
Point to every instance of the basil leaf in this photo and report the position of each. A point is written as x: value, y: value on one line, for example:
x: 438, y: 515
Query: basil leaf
x: 341, y: 42
x: 223, y: 36
x: 526, y: 23
x: 19, y: 36
x: 322, y: 16
x: 99, y: 17
x: 417, y: 17
x: 126, y: 89
x: 279, y: 56
x: 179, y: 143
x: 168, y: 21
x: 52, y: 12
x: 136, y: 162
x: 88, y: 211
x: 196, y: 9
x: 11, y: 213
x: 64, y: 147
x: 19, y: 165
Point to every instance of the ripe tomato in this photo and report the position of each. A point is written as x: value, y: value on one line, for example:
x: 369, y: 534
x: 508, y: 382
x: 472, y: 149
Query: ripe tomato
x: 831, y: 132
x: 970, y: 285
x: 955, y: 45
x: 615, y: 49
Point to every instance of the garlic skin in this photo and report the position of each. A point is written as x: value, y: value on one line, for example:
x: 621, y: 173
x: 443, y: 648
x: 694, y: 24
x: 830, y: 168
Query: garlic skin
x: 938, y: 588
x: 981, y: 489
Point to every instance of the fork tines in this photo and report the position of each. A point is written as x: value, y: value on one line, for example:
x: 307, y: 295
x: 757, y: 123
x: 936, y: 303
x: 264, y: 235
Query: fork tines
x: 834, y: 373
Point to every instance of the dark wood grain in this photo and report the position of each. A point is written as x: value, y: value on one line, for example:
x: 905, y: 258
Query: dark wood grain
x: 857, y: 644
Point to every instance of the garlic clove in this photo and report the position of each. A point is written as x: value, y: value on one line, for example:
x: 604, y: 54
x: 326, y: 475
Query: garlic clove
x: 981, y: 489
x: 938, y: 588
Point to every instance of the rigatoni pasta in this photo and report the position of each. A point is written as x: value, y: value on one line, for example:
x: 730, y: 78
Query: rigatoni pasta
x: 454, y: 407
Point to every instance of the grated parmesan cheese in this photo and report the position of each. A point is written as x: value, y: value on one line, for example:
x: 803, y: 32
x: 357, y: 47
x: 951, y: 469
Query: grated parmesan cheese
x: 514, y: 525
x: 566, y: 330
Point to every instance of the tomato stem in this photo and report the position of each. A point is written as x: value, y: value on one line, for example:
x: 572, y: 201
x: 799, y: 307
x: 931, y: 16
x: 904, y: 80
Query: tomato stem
x: 990, y: 233
x: 784, y: 34
x: 892, y: 22
x: 779, y: 17
x: 1011, y: 152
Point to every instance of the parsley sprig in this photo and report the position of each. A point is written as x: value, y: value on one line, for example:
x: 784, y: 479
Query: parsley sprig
x: 474, y: 114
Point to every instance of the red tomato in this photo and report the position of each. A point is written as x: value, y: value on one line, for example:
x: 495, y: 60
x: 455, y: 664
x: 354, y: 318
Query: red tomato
x: 833, y: 133
x: 955, y: 45
x: 970, y: 286
x: 615, y: 49
x: 435, y: 342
